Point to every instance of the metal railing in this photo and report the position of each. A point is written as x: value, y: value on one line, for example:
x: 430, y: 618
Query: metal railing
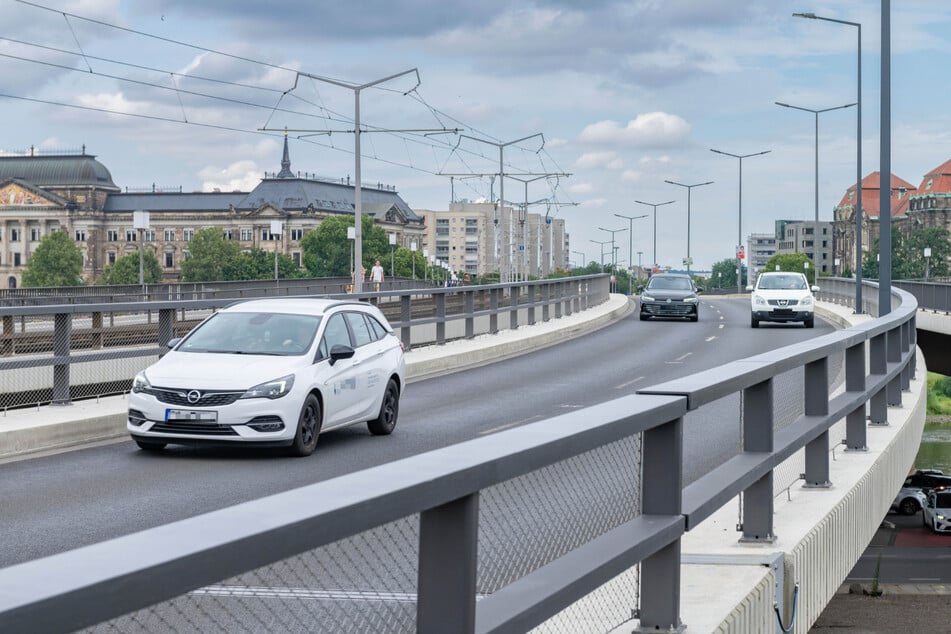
x: 166, y: 578
x: 55, y: 353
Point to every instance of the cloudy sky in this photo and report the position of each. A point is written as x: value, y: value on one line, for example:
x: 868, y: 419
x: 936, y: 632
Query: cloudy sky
x: 621, y: 95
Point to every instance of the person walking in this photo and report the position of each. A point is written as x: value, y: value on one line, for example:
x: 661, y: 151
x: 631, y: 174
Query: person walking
x: 376, y: 275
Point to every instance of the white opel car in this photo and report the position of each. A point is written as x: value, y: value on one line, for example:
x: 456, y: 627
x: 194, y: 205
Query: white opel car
x: 782, y: 296
x: 936, y: 509
x: 272, y: 372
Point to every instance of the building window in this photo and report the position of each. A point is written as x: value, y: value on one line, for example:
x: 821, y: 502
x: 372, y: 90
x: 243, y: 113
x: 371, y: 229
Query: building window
x: 169, y: 261
x: 229, y: 235
x: 297, y: 234
x: 80, y: 235
x: 35, y: 234
x: 15, y: 234
x: 112, y: 235
x: 149, y: 235
x: 188, y: 234
x: 247, y: 235
x: 186, y: 254
x: 130, y: 235
x: 266, y: 235
x: 296, y: 256
x: 16, y: 259
x: 111, y: 257
x: 169, y: 235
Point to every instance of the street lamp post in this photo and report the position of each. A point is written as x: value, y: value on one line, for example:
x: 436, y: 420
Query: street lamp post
x: 927, y: 261
x: 689, y: 187
x: 392, y: 238
x: 277, y: 229
x: 412, y: 249
x: 601, y: 245
x: 655, y: 206
x: 581, y: 253
x: 140, y: 222
x: 640, y: 269
x: 816, y: 245
x: 858, y: 158
x: 739, y: 224
x: 613, y: 252
x: 630, y: 248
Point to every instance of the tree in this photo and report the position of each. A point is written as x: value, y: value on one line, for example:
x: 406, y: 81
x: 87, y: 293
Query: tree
x: 125, y: 270
x: 326, y: 249
x: 936, y: 239
x: 213, y: 258
x: 792, y: 262
x: 57, y: 261
x: 723, y: 274
x: 258, y: 264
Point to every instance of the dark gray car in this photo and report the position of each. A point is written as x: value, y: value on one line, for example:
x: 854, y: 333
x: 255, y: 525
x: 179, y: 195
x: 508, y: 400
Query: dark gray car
x: 670, y: 295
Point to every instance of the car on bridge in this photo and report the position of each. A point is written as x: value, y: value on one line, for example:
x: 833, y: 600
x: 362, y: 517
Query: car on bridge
x: 670, y: 295
x: 782, y: 296
x: 272, y: 372
x: 921, y: 481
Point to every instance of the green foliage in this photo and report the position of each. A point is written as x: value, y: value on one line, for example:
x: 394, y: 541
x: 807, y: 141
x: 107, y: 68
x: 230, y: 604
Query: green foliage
x: 57, y: 261
x: 125, y: 270
x: 723, y: 274
x: 792, y: 262
x: 326, y: 249
x: 907, y: 255
x: 258, y: 264
x: 939, y: 395
x: 213, y: 258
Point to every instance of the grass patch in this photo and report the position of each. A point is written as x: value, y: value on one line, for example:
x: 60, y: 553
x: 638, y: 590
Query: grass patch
x: 939, y: 399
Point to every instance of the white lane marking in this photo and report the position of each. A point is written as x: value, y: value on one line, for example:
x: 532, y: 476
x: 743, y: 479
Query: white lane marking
x: 711, y: 338
x: 631, y: 382
x: 721, y: 317
x: 507, y: 425
x: 570, y: 406
x: 721, y: 325
x: 683, y: 356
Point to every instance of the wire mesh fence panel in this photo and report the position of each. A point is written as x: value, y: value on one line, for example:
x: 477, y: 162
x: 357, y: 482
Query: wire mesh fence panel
x: 604, y: 610
x: 92, y: 379
x: 534, y: 519
x: 364, y: 583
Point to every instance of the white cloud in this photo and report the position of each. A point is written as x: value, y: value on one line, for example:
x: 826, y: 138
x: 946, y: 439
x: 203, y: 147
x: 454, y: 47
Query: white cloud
x: 599, y: 160
x: 595, y: 202
x: 581, y: 188
x: 652, y: 129
x: 239, y: 176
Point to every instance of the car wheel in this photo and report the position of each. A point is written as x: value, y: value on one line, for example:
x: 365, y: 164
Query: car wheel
x: 809, y: 323
x: 754, y: 322
x: 308, y: 427
x: 384, y: 424
x: 908, y: 506
x: 643, y: 317
x: 695, y: 318
x: 150, y: 445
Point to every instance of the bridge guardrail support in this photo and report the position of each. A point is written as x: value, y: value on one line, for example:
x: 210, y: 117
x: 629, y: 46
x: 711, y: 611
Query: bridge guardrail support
x: 448, y: 563
x: 758, y: 437
x: 469, y: 304
x: 546, y: 303
x: 531, y: 306
x: 878, y: 409
x: 893, y: 353
x: 494, y: 309
x: 441, y: 319
x: 816, y: 403
x: 405, y: 316
x: 513, y: 308
x: 856, y: 433
x: 62, y: 332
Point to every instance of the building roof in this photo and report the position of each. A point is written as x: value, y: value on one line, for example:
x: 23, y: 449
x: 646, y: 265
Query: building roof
x: 68, y: 170
x: 197, y: 201
x: 937, y: 181
x: 871, y: 185
x: 298, y: 193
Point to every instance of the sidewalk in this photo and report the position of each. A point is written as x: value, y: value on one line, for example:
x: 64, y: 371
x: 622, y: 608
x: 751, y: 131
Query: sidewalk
x: 51, y: 428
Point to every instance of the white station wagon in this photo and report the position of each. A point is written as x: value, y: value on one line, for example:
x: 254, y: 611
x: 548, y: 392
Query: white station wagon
x: 272, y: 372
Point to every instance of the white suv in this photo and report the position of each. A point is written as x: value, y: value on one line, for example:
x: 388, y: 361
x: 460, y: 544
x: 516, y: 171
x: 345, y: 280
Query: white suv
x: 782, y: 296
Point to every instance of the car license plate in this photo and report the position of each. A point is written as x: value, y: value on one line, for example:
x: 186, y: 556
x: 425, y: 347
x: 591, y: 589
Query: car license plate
x: 185, y: 415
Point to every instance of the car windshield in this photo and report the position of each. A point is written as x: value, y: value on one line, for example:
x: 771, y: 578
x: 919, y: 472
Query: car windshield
x: 942, y: 500
x: 669, y: 284
x: 253, y: 333
x: 782, y: 282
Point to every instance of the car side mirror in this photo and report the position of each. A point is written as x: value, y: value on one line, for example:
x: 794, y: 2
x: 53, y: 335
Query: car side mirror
x: 699, y: 289
x: 640, y: 289
x: 814, y: 289
x: 173, y: 342
x: 340, y: 351
x: 750, y: 287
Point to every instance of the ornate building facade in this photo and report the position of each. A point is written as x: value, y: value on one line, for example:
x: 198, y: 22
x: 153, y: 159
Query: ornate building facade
x: 75, y: 193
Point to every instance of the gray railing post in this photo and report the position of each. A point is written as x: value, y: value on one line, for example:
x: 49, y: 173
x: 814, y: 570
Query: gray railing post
x: 856, y: 433
x: 913, y: 343
x: 906, y: 371
x: 758, y: 438
x: 531, y: 305
x: 469, y: 307
x: 576, y: 296
x: 166, y: 328
x: 440, y: 318
x: 567, y: 295
x: 893, y: 355
x: 405, y: 317
x: 559, y: 289
x: 546, y: 302
x: 97, y: 329
x: 62, y: 330
x: 9, y: 328
x: 448, y: 558
x: 662, y: 495
x: 816, y: 395
x: 878, y: 365
x: 493, y: 310
x: 513, y: 307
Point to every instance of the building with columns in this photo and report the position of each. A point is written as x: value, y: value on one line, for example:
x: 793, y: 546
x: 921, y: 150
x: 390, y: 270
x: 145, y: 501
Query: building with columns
x: 75, y: 193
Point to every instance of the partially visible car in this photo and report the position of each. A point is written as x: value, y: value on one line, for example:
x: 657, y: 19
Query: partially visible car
x: 272, y: 372
x: 908, y: 501
x: 670, y: 295
x: 917, y: 484
x: 936, y: 510
x: 782, y: 296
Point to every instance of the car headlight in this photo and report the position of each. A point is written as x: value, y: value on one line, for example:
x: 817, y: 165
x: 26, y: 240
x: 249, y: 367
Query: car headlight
x: 693, y: 299
x: 272, y: 389
x: 140, y: 383
x: 940, y: 517
x: 759, y: 301
x: 806, y: 301
x: 646, y: 298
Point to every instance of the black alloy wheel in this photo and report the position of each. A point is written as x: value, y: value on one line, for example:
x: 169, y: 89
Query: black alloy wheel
x: 384, y: 424
x: 308, y: 427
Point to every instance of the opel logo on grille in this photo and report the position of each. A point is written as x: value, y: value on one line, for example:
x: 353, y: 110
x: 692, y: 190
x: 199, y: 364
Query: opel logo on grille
x: 783, y: 302
x: 193, y: 396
